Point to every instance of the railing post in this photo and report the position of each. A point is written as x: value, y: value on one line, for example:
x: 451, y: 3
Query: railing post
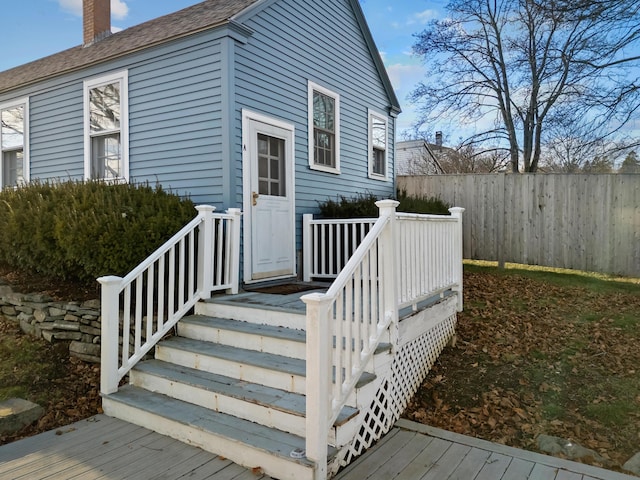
x: 456, y: 212
x: 318, y: 381
x: 389, y: 277
x: 307, y: 246
x: 205, y: 251
x: 110, y: 333
x: 234, y: 250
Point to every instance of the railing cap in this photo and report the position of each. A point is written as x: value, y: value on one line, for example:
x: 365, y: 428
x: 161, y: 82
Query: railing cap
x: 456, y: 210
x: 387, y: 203
x: 109, y: 279
x: 205, y: 208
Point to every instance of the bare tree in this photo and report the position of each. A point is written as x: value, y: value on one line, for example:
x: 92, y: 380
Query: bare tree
x: 507, y: 66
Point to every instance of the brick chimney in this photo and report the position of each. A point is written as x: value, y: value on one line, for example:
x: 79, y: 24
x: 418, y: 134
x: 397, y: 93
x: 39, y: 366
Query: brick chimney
x: 439, y: 139
x: 96, y: 20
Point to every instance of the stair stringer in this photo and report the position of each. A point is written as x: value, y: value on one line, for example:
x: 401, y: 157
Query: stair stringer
x: 422, y: 337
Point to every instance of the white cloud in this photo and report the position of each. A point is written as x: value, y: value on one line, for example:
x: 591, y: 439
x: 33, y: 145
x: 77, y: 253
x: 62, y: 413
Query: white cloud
x: 422, y: 18
x: 119, y: 8
x: 72, y: 6
x: 405, y: 77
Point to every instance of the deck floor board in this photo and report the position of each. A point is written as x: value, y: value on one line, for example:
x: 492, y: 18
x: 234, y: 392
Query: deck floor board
x: 102, y: 448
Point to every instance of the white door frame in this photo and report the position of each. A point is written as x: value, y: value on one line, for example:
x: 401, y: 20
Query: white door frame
x: 248, y: 221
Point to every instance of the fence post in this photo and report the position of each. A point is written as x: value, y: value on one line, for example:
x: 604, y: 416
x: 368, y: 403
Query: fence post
x: 319, y: 391
x: 110, y: 333
x: 234, y: 250
x: 456, y: 212
x: 205, y: 251
x: 389, y: 276
x: 307, y: 246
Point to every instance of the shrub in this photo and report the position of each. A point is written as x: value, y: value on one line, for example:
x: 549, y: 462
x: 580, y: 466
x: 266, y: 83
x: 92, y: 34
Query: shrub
x: 83, y: 230
x: 364, y: 206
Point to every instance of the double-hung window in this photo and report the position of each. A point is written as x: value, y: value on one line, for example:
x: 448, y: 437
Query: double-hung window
x: 378, y: 138
x: 324, y: 129
x: 14, y: 139
x: 106, y: 128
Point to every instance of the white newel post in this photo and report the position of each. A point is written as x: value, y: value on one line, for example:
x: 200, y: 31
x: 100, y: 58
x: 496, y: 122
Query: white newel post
x: 456, y: 212
x: 319, y: 391
x: 307, y: 246
x: 110, y: 333
x: 389, y: 276
x: 234, y: 250
x: 205, y: 250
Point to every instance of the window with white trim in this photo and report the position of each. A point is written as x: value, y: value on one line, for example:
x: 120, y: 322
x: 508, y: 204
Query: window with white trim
x: 324, y: 129
x: 106, y: 137
x: 14, y: 139
x: 378, y: 139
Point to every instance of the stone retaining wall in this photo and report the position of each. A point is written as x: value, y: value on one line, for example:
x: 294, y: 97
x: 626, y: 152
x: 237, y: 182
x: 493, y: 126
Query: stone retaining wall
x: 40, y: 316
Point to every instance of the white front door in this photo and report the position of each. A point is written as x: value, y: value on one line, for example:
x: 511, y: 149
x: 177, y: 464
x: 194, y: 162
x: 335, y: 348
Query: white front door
x: 269, y: 226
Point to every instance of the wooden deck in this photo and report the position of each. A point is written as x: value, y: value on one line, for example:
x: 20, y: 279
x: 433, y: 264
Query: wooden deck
x: 105, y: 448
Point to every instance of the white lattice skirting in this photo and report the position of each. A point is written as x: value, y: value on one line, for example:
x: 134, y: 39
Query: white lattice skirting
x: 407, y: 371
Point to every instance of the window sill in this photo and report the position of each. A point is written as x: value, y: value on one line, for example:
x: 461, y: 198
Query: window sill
x: 322, y: 168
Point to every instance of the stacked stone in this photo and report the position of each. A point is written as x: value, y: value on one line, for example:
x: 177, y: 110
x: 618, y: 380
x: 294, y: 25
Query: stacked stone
x: 40, y: 316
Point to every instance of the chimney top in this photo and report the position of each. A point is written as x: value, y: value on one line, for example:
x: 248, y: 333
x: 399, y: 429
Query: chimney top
x: 439, y: 139
x: 96, y: 20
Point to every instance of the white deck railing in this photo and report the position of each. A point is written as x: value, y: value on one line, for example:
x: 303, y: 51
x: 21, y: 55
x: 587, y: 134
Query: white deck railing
x: 143, y: 307
x: 329, y: 244
x: 403, y: 259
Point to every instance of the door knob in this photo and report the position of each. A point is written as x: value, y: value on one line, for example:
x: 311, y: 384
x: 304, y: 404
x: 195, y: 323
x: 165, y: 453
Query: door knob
x: 255, y: 198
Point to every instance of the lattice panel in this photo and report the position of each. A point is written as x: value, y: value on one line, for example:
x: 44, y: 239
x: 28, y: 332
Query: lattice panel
x: 408, y: 370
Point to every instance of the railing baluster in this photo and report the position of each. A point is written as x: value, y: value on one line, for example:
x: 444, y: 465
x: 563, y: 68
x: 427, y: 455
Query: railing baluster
x: 172, y: 284
x: 126, y: 325
x: 150, y: 292
x: 138, y: 315
x: 161, y: 290
x: 181, y: 269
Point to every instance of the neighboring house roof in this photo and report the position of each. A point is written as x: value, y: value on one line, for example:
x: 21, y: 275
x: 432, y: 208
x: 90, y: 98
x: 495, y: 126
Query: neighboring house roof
x: 202, y: 16
x: 417, y: 157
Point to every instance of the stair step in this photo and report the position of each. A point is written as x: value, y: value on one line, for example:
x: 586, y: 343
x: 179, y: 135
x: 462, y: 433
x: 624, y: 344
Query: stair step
x: 241, y: 441
x: 275, y: 310
x: 268, y: 369
x: 262, y: 338
x: 258, y: 403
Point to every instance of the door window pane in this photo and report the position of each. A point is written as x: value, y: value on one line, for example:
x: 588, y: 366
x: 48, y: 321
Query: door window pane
x: 271, y: 166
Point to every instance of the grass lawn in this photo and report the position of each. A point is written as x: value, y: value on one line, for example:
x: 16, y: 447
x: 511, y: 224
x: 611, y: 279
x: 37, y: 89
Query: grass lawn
x: 541, y: 352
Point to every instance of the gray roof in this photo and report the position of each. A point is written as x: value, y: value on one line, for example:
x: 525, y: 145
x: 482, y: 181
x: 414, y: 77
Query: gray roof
x: 205, y: 15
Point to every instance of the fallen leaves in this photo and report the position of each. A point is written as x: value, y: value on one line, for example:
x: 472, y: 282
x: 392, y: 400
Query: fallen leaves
x: 531, y: 357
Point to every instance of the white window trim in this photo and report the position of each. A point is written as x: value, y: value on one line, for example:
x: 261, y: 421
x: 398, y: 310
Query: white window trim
x: 123, y: 78
x: 25, y: 145
x: 310, y: 89
x: 383, y: 118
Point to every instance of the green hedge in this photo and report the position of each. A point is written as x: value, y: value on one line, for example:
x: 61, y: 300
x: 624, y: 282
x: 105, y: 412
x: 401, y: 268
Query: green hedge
x: 83, y: 230
x: 364, y: 206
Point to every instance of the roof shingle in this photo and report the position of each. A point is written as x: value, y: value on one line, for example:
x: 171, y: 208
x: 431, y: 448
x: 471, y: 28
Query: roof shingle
x: 207, y: 14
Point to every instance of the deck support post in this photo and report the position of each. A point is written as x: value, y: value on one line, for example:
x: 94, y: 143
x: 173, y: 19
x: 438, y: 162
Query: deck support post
x: 307, y: 246
x: 233, y: 250
x: 319, y: 388
x: 456, y: 212
x: 389, y: 276
x: 205, y: 250
x: 110, y: 329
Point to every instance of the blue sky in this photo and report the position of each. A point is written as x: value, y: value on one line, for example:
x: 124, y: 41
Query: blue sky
x: 43, y: 27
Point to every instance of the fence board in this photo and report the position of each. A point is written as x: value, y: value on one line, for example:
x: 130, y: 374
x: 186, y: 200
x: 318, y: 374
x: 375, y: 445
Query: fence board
x: 578, y: 221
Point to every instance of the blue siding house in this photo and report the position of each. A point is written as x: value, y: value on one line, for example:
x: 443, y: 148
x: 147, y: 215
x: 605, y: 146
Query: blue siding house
x: 265, y: 105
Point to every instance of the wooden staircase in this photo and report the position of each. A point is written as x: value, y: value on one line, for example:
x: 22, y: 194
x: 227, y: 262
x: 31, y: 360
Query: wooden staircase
x: 232, y: 382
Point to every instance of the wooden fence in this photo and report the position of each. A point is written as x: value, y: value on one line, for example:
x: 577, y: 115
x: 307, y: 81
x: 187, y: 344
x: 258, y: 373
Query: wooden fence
x: 578, y: 221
